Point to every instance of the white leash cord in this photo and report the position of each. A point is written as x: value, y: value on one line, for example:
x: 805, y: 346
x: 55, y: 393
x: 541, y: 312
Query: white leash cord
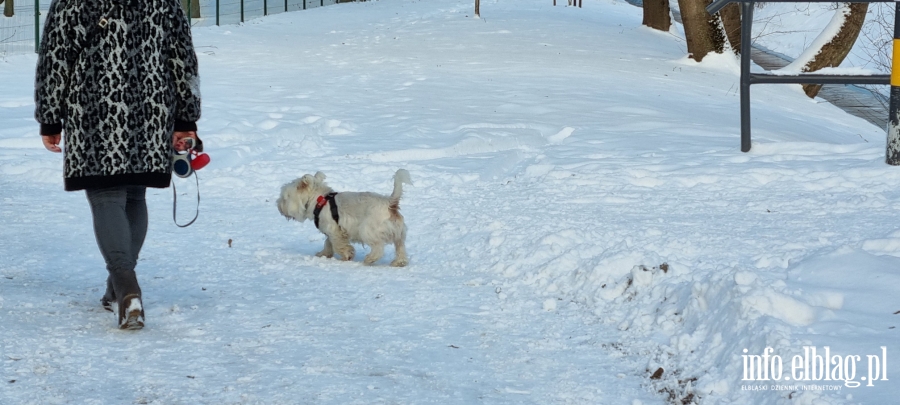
x: 175, y: 202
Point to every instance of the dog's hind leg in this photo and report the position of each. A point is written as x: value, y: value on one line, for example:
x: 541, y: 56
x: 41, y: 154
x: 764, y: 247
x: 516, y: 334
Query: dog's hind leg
x: 327, y: 251
x: 376, y: 253
x: 400, y: 258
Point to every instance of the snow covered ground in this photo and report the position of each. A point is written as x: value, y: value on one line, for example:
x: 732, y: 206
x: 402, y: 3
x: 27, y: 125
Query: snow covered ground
x: 560, y: 157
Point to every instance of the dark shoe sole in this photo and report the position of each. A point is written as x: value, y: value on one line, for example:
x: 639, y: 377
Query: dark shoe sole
x: 107, y: 304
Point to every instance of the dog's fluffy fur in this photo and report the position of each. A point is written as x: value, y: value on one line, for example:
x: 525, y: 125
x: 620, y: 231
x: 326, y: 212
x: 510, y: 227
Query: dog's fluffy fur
x: 368, y: 218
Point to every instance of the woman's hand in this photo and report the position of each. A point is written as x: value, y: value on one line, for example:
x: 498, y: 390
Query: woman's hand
x: 51, y: 142
x: 178, y: 139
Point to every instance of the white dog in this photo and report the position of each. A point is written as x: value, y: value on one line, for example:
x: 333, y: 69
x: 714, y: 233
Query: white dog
x: 368, y: 218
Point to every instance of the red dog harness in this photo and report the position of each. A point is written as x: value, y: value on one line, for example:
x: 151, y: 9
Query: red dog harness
x: 320, y: 203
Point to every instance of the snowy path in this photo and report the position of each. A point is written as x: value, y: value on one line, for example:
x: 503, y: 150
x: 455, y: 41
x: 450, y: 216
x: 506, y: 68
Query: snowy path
x: 264, y: 322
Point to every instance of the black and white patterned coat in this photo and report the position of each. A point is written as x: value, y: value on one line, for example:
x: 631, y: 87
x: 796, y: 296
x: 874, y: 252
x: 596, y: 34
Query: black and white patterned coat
x: 116, y: 90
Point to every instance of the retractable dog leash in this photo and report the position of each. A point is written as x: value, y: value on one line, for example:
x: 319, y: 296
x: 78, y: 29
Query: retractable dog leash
x: 184, y: 165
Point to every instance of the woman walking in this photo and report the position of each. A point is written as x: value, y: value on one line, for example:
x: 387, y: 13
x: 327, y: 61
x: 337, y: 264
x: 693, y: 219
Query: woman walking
x: 118, y: 80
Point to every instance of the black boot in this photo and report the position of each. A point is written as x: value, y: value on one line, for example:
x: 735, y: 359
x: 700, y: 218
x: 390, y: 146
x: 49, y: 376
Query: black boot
x: 109, y: 297
x: 128, y: 293
x: 131, y: 312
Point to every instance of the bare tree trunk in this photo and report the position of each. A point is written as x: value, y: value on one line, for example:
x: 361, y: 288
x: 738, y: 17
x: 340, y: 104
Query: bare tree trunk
x: 833, y: 53
x: 657, y: 14
x: 703, y: 32
x: 731, y: 20
x: 477, y: 8
x: 8, y: 9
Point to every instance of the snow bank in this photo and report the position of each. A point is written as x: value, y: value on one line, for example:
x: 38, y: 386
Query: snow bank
x: 695, y: 325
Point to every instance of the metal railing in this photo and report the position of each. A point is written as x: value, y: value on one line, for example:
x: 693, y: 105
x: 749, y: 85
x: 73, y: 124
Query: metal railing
x: 21, y: 32
x: 747, y: 78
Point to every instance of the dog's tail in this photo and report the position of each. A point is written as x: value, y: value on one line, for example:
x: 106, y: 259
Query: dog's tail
x: 402, y: 176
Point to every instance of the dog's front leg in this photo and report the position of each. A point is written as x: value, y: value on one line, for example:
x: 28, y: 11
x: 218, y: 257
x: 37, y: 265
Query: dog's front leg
x: 341, y: 245
x: 327, y: 251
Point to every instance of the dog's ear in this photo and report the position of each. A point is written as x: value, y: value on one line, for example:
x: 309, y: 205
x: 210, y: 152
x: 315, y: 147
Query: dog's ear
x: 305, y: 182
x: 320, y: 176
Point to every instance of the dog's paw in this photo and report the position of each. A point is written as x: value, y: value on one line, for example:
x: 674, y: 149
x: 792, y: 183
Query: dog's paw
x: 326, y: 254
x: 400, y: 262
x: 347, y: 254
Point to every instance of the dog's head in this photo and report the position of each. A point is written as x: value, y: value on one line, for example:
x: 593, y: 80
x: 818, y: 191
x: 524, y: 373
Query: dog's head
x: 298, y: 198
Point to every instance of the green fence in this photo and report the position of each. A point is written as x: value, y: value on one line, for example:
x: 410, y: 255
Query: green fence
x: 21, y: 20
x: 222, y: 12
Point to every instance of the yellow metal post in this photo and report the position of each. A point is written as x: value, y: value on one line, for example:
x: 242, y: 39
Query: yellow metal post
x: 892, y: 155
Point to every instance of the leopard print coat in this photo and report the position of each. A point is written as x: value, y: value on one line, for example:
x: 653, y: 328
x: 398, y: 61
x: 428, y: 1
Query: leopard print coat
x: 116, y: 90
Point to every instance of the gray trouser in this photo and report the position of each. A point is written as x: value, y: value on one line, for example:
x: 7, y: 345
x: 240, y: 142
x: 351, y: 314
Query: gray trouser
x: 120, y: 225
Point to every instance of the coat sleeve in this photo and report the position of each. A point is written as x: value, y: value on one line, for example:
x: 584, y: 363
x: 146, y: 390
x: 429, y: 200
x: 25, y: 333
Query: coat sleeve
x: 183, y: 62
x: 53, y: 68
